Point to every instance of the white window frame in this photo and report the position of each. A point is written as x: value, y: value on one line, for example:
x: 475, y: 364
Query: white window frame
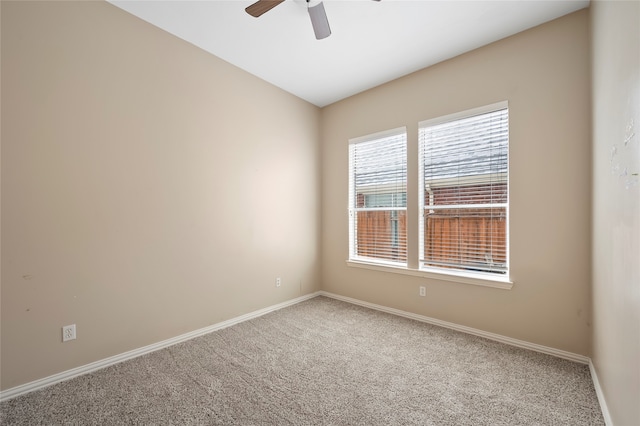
x: 414, y: 253
x: 435, y: 271
x: 353, y: 209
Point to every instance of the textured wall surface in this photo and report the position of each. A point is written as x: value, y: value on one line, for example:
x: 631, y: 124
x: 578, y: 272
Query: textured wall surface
x: 616, y: 205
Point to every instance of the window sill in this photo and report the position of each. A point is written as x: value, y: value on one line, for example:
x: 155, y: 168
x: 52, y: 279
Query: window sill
x: 457, y: 277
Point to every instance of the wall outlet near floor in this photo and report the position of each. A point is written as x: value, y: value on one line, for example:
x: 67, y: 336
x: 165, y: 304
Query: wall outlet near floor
x: 68, y: 332
x: 423, y: 291
x: 278, y: 282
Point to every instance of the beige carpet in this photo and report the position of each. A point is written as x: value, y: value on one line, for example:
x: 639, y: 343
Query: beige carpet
x: 323, y: 362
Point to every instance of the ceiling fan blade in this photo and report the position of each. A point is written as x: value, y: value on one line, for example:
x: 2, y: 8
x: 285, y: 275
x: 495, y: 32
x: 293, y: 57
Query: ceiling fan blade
x: 261, y: 6
x: 319, y: 21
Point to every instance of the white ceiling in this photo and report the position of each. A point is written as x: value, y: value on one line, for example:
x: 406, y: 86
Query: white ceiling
x: 371, y: 42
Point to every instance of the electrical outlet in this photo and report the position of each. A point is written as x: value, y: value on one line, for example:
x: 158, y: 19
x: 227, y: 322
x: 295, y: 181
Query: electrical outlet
x: 278, y: 282
x: 423, y: 291
x: 68, y: 332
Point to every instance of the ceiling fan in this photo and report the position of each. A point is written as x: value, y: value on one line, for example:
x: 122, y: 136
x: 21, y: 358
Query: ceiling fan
x: 317, y: 14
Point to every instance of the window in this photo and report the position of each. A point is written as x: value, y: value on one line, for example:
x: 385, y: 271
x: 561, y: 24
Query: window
x: 378, y: 198
x: 461, y: 191
x: 464, y: 176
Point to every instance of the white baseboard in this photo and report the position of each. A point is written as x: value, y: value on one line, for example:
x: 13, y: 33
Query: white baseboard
x: 94, y: 366
x: 600, y: 395
x: 497, y: 337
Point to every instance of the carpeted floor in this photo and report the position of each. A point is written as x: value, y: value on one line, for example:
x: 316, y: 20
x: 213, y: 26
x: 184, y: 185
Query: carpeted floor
x: 323, y: 362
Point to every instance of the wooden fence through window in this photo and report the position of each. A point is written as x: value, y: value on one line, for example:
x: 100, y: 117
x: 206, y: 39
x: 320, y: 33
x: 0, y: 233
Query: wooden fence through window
x: 382, y: 235
x: 475, y: 238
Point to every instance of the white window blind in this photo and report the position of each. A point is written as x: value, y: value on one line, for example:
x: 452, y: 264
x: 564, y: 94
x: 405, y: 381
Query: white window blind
x: 464, y: 177
x: 378, y: 197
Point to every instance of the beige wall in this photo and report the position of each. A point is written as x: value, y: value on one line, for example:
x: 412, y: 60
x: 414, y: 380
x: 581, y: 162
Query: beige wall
x: 544, y: 74
x: 616, y: 205
x: 148, y: 188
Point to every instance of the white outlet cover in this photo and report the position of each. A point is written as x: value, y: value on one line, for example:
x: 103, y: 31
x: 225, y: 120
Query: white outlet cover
x: 68, y: 332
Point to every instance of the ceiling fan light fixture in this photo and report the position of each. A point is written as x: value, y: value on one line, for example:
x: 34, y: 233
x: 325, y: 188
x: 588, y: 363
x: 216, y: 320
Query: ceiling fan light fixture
x: 319, y: 20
